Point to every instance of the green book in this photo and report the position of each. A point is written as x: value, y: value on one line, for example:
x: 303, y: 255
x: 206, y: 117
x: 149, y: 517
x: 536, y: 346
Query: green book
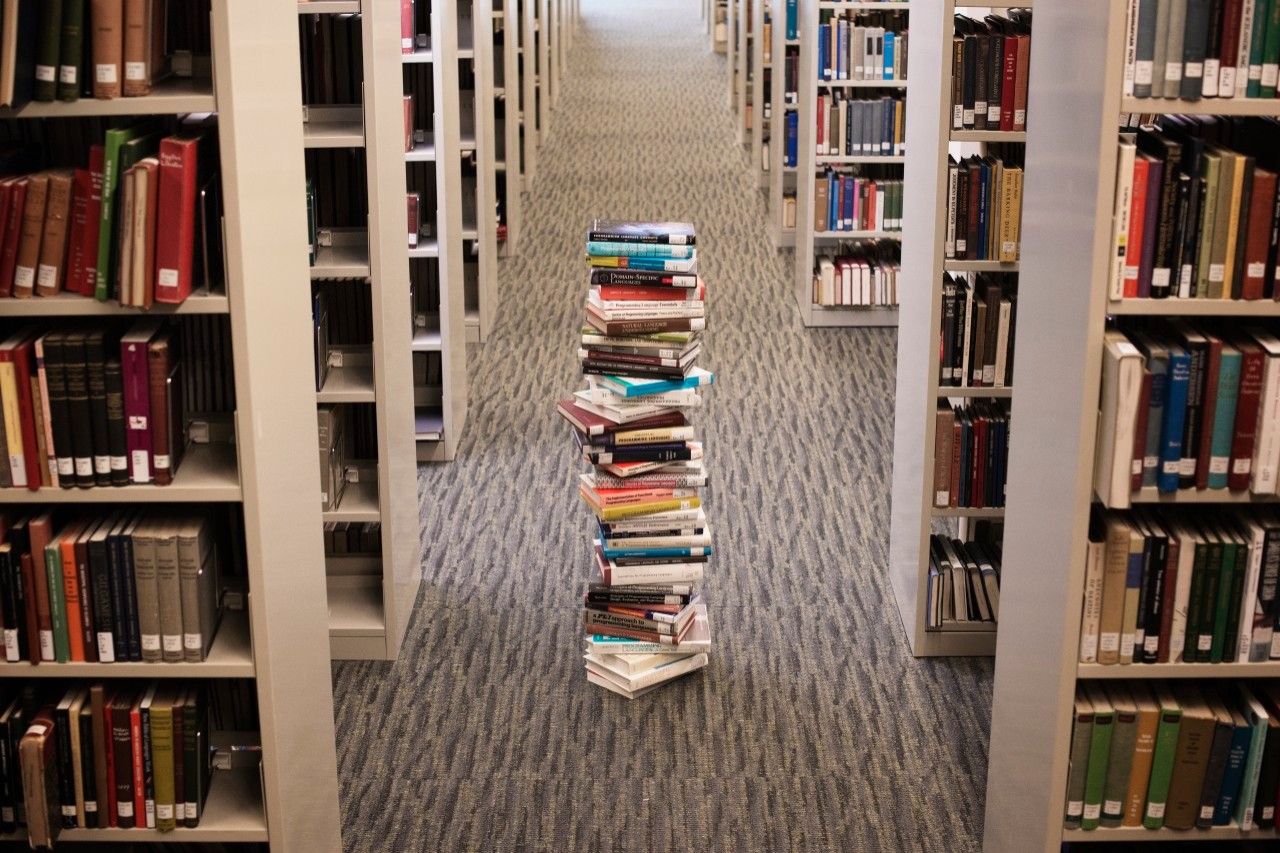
x: 1095, y: 783
x: 71, y: 51
x: 1081, y: 737
x: 57, y: 602
x: 48, y: 36
x: 1235, y: 595
x: 1124, y: 738
x: 1271, y: 52
x: 1211, y: 170
x: 1195, y: 597
x: 162, y: 760
x: 1257, y: 44
x: 1162, y: 760
x: 1209, y: 598
x: 113, y: 142
x: 1255, y: 713
x: 1222, y: 608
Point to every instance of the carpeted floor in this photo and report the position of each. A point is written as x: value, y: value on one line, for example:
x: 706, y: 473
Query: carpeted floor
x: 813, y: 728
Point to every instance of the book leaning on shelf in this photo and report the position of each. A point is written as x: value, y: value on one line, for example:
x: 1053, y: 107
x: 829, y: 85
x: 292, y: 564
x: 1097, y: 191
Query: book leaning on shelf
x: 1185, y: 756
x: 964, y: 579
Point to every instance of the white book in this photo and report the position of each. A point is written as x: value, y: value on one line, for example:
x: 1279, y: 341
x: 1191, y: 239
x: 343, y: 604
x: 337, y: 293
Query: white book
x: 1257, y: 535
x: 826, y: 281
x: 1091, y: 622
x: 1246, y: 71
x: 633, y: 665
x: 619, y: 414
x: 1122, y: 365
x: 966, y: 333
x: 692, y: 540
x: 697, y: 640
x: 1130, y: 48
x: 661, y: 674
x: 1120, y: 222
x: 1002, y: 342
x: 601, y: 681
x: 1266, y: 451
x: 949, y: 243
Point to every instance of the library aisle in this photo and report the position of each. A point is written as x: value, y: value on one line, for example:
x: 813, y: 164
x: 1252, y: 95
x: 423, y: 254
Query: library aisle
x: 813, y: 728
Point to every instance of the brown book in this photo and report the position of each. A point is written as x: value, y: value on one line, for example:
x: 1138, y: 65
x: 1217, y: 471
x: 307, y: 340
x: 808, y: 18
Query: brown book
x: 40, y: 529
x: 820, y: 205
x: 124, y: 237
x: 53, y: 243
x: 1258, y: 235
x: 144, y: 22
x: 942, y: 455
x: 957, y: 438
x: 1115, y: 570
x: 37, y: 757
x: 1143, y: 753
x: 28, y: 258
x: 159, y: 366
x: 1020, y: 93
x: 122, y: 755
x: 1190, y: 759
x: 146, y: 182
x: 97, y: 707
x: 107, y: 19
x: 645, y: 327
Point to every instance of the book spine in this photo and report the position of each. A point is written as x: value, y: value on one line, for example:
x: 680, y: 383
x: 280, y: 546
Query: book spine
x: 107, y: 17
x: 159, y: 366
x: 71, y: 49
x: 51, y: 265
x: 137, y: 408
x: 28, y: 252
x: 122, y: 761
x: 175, y: 237
x: 48, y: 36
x: 137, y: 77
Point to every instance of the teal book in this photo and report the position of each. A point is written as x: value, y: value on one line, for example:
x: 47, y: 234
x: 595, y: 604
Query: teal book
x: 1255, y: 714
x: 1224, y: 417
x: 57, y: 602
x: 1270, y: 51
x: 1163, y: 757
x: 1257, y: 44
x: 1104, y: 717
x: 639, y: 250
x: 1237, y: 757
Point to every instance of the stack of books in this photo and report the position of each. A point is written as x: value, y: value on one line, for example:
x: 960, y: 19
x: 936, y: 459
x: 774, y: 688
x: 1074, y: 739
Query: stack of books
x: 646, y: 622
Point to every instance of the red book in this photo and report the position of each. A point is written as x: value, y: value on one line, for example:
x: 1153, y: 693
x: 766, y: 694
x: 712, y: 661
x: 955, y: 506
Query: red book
x: 88, y: 283
x: 1253, y: 362
x: 82, y: 187
x: 957, y: 438
x: 24, y: 360
x: 1229, y: 46
x: 1258, y: 234
x: 871, y: 206
x: 1137, y: 220
x: 1212, y: 366
x: 1167, y: 599
x: 40, y: 529
x: 1140, y: 430
x: 406, y: 26
x: 1010, y: 84
x: 978, y: 464
x: 593, y: 424
x: 139, y: 782
x: 1020, y: 89
x: 176, y: 214
x: 137, y: 397
x: 12, y: 233
x: 975, y: 202
x: 33, y: 612
x: 821, y: 136
x: 619, y: 293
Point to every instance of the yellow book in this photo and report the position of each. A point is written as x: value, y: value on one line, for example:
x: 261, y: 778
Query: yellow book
x: 1143, y: 753
x: 12, y: 422
x: 631, y: 511
x: 1233, y: 225
x: 162, y: 759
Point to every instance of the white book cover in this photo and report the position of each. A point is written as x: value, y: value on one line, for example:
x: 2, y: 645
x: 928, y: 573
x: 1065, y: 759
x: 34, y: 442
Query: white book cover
x: 661, y: 674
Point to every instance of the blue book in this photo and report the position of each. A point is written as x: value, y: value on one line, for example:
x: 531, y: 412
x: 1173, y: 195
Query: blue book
x: 639, y: 250
x: 793, y: 7
x: 966, y: 445
x: 628, y: 387
x: 635, y: 553
x: 1157, y: 357
x: 888, y: 56
x: 850, y: 191
x: 889, y: 106
x: 1171, y: 428
x: 658, y: 264
x: 1237, y: 755
x: 833, y: 202
x: 842, y: 51
x: 824, y: 53
x: 1224, y: 417
x: 984, y: 209
x: 793, y: 140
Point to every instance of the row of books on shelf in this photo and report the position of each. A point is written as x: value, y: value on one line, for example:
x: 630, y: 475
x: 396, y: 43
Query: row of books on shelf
x: 90, y: 406
x: 862, y: 274
x: 990, y: 70
x: 791, y: 78
x: 862, y: 46
x: 1179, y: 587
x: 853, y: 202
x: 352, y: 539
x: 1174, y: 756
x: 970, y: 454
x: 108, y: 587
x: 68, y: 49
x: 976, y: 339
x: 1196, y: 207
x: 331, y: 50
x: 964, y: 582
x: 984, y: 207
x: 135, y: 224
x: 98, y: 756
x: 646, y: 623
x: 866, y: 127
x: 1201, y: 49
x: 1188, y: 406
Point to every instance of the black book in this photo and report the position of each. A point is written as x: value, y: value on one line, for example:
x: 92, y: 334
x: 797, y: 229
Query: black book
x: 995, y: 78
x: 1246, y: 199
x: 1208, y: 598
x: 1153, y: 581
x: 10, y: 777
x: 11, y: 606
x: 970, y: 87
x: 105, y: 624
x: 96, y: 347
x: 79, y: 412
x: 1178, y: 128
x: 982, y: 81
x: 1197, y: 346
x: 66, y: 766
x: 88, y: 774
x: 117, y: 435
x: 116, y: 573
x: 122, y: 753
x: 623, y: 231
x: 129, y: 583
x: 949, y: 291
x: 59, y: 409
x: 24, y: 60
x: 1182, y: 212
x: 669, y: 452
x: 602, y: 367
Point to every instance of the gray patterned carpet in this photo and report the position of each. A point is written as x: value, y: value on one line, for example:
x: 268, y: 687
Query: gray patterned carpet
x: 813, y: 728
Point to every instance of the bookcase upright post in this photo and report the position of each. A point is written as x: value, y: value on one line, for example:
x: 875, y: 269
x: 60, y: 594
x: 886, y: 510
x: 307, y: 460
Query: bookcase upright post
x: 478, y: 214
x: 528, y: 111
x: 761, y: 95
x: 731, y: 55
x: 719, y: 29
x: 743, y: 68
x: 542, y: 32
x: 509, y: 129
x: 782, y: 179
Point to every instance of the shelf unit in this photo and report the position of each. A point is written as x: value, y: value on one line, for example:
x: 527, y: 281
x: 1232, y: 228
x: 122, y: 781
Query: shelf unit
x: 436, y: 267
x: 744, y: 69
x: 508, y: 178
x: 781, y: 178
x: 733, y: 12
x: 931, y: 141
x: 1068, y: 206
x: 381, y: 375
x: 475, y: 57
x: 807, y: 240
x: 291, y: 801
x: 718, y: 27
x: 551, y: 10
x: 761, y: 91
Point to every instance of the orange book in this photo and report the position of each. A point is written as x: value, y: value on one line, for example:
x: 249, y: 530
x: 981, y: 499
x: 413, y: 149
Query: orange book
x: 71, y: 591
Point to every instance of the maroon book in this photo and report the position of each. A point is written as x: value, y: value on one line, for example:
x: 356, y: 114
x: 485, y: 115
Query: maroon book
x: 1252, y: 366
x: 593, y: 424
x: 137, y: 398
x: 1167, y: 599
x: 1207, y: 411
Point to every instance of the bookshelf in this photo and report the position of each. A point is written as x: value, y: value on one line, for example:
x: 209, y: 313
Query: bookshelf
x: 810, y: 242
x: 379, y: 374
x: 279, y: 641
x: 761, y: 91
x: 932, y: 143
x: 437, y: 269
x: 526, y: 113
x: 1068, y: 212
x: 781, y: 178
x: 720, y: 26
x: 507, y: 134
x: 475, y: 56
x: 744, y: 69
x: 732, y: 53
x: 555, y: 49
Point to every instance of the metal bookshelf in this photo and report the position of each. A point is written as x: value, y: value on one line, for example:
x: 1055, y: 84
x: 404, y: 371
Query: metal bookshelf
x: 745, y: 68
x: 1068, y: 206
x: 719, y: 26
x: 761, y: 98
x: 733, y: 12
x: 782, y: 179
x: 807, y: 240
x: 508, y: 180
x: 279, y: 641
x: 479, y: 203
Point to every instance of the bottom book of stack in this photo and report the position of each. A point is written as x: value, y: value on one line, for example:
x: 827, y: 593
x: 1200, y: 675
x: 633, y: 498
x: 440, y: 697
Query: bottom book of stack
x: 632, y: 668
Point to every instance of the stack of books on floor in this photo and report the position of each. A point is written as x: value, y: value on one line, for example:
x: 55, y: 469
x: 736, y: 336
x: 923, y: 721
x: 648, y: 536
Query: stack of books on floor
x: 645, y: 620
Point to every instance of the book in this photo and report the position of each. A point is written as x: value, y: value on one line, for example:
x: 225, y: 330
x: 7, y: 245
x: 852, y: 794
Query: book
x: 108, y: 23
